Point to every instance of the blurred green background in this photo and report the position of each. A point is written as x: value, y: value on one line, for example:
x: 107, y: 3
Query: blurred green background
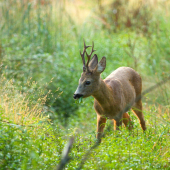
x: 40, y: 42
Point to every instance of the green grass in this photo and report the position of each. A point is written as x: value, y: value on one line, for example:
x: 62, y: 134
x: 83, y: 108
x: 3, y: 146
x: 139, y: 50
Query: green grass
x: 39, y: 144
x: 40, y: 66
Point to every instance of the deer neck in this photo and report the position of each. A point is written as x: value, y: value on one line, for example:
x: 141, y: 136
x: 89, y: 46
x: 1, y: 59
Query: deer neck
x: 104, y: 95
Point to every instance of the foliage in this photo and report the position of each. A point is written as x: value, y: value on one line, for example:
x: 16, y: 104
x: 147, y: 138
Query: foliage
x: 36, y: 143
x: 27, y: 147
x: 24, y: 131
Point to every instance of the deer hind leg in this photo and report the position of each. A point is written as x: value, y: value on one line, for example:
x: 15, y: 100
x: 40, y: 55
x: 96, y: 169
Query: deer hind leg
x: 127, y: 121
x: 137, y: 109
x: 101, y: 122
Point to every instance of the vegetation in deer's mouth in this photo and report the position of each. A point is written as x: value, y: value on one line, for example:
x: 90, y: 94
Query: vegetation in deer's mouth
x: 79, y: 100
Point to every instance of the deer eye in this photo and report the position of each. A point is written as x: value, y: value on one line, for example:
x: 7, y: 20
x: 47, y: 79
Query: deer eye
x: 87, y: 83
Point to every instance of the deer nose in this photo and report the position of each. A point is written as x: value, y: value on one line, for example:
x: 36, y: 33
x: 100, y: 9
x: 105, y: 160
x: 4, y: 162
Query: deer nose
x: 77, y: 96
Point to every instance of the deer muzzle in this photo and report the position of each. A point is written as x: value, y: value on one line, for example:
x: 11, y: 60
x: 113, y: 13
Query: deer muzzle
x: 77, y: 96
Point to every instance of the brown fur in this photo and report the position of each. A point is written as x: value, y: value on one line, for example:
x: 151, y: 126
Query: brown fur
x: 112, y: 94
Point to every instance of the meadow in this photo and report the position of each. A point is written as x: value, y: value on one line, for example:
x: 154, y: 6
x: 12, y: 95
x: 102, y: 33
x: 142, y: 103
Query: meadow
x: 40, y: 66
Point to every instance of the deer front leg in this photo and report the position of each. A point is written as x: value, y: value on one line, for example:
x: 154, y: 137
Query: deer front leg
x: 117, y: 124
x: 100, y: 127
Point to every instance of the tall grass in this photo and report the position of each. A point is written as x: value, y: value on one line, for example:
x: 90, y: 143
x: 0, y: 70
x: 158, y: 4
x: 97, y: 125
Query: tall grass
x: 29, y: 141
x: 16, y: 106
x: 23, y: 130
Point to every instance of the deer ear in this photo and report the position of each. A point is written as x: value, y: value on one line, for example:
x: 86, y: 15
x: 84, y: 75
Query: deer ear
x: 93, y: 62
x: 101, y: 65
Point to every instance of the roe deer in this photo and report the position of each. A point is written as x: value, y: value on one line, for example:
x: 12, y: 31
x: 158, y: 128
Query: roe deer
x: 113, y: 94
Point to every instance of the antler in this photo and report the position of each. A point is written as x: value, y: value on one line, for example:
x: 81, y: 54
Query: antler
x: 88, y: 56
x: 82, y: 56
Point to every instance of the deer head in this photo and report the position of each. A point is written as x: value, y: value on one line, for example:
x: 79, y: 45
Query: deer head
x: 90, y: 78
